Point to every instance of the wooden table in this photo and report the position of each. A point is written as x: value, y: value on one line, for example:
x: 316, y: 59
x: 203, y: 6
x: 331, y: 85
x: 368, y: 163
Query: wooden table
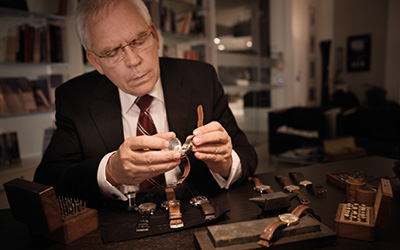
x: 15, y: 235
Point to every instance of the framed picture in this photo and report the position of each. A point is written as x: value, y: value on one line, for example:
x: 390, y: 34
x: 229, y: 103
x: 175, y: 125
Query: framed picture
x: 358, y: 53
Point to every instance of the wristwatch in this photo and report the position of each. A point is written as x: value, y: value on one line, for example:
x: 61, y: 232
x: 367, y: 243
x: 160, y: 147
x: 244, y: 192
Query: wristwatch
x: 145, y: 209
x: 286, y: 219
x: 288, y: 186
x: 207, y: 209
x: 313, y: 188
x: 173, y: 206
x: 299, y: 179
x: 259, y: 187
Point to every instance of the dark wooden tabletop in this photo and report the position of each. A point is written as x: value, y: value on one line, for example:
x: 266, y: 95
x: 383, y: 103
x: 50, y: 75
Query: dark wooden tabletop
x: 15, y: 235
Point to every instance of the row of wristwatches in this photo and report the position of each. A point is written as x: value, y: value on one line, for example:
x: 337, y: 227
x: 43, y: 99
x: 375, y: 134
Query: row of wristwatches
x: 172, y: 205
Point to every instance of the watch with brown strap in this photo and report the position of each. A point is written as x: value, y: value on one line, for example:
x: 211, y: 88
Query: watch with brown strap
x: 207, y: 209
x: 287, y: 219
x: 173, y: 206
x: 288, y: 186
x: 259, y: 187
x: 314, y: 188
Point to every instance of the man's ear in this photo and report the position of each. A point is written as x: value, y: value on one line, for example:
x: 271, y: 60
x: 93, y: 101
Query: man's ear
x: 94, y: 62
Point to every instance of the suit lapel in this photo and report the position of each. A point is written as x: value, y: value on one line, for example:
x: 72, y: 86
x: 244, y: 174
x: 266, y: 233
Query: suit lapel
x: 177, y: 98
x: 106, y: 114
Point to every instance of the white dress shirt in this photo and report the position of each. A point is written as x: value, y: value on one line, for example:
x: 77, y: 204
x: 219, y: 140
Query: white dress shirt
x: 130, y: 114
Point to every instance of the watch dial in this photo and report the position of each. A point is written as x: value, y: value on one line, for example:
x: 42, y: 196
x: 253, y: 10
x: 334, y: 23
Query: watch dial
x: 174, y: 144
x: 147, y: 207
x: 291, y: 219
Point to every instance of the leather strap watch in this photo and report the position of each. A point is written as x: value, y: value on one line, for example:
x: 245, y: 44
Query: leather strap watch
x: 259, y: 187
x: 298, y: 177
x: 173, y: 206
x: 288, y: 186
x: 145, y: 209
x: 313, y: 188
x: 287, y: 219
x: 207, y: 209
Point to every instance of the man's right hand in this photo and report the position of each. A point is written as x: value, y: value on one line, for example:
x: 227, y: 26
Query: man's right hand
x: 141, y: 157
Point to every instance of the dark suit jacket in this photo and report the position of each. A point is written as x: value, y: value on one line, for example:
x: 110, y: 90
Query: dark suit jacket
x: 89, y: 125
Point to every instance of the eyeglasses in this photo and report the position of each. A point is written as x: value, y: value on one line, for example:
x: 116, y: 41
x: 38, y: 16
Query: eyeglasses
x: 140, y: 43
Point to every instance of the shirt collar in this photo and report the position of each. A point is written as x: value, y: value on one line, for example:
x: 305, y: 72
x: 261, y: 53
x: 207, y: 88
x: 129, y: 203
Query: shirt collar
x: 127, y: 100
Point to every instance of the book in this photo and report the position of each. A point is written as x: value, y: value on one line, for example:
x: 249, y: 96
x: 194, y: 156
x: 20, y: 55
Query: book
x: 9, y: 148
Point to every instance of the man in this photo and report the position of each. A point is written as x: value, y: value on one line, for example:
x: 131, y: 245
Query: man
x: 95, y: 151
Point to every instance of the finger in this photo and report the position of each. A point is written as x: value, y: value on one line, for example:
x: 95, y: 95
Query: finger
x: 215, y: 137
x: 145, y: 142
x: 209, y: 127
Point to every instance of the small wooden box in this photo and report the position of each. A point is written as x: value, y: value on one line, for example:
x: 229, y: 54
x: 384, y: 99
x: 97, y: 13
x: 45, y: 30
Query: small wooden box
x: 37, y: 206
x: 376, y: 216
x: 338, y: 179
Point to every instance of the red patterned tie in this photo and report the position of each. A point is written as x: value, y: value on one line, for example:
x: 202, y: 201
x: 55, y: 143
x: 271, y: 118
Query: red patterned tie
x: 145, y: 126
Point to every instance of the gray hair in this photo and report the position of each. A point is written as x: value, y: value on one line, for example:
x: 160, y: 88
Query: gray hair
x: 88, y: 10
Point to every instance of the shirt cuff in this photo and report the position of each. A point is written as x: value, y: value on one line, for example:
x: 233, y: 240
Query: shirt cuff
x: 234, y: 175
x: 106, y: 188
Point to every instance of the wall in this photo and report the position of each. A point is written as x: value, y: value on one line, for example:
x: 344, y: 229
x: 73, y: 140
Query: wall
x: 359, y: 17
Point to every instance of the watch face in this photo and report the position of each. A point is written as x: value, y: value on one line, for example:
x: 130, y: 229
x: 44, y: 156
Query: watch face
x: 174, y: 144
x: 289, y: 218
x: 198, y: 200
x: 291, y: 188
x: 305, y: 183
x: 262, y: 188
x: 147, y: 207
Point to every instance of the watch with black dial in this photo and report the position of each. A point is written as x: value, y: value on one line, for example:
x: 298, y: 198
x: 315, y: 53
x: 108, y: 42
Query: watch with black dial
x: 173, y: 206
x: 288, y: 186
x: 207, y: 209
x: 259, y: 187
x: 286, y: 219
x: 145, y: 210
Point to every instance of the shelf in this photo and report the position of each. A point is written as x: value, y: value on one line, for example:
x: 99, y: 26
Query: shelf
x: 171, y: 38
x: 24, y: 13
x: 50, y: 111
x: 182, y: 6
x: 30, y: 64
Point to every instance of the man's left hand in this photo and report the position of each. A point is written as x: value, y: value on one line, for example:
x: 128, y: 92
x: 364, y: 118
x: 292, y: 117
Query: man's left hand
x: 213, y: 145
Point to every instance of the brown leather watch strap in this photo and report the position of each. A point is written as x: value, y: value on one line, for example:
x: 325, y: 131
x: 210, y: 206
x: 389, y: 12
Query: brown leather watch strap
x: 175, y: 215
x: 302, y: 198
x: 285, y: 180
x: 299, y: 210
x: 185, y: 161
x: 208, y: 211
x: 268, y: 233
x: 259, y: 187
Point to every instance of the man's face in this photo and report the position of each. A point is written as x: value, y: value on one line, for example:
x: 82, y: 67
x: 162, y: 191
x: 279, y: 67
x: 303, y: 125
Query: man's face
x: 139, y: 70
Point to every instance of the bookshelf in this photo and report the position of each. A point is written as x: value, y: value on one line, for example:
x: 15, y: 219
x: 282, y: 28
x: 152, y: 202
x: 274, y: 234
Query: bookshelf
x: 186, y: 27
x: 30, y: 126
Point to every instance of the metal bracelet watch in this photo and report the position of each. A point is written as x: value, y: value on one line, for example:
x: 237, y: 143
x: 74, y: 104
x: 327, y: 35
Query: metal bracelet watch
x: 145, y: 210
x: 207, y: 209
x: 173, y: 207
x: 288, y: 186
x: 286, y: 219
x: 259, y: 187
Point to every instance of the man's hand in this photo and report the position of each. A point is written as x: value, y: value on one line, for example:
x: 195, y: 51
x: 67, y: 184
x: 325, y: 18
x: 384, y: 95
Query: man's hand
x: 141, y: 157
x: 213, y: 145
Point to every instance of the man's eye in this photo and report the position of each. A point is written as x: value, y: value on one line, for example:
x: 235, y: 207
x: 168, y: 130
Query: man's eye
x: 139, y: 41
x: 111, y: 53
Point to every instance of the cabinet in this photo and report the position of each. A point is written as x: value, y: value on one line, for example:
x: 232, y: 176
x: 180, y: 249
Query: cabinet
x: 30, y: 126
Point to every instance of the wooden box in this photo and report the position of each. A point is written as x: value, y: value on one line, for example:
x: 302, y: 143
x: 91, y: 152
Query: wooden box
x: 37, y: 206
x: 375, y: 216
